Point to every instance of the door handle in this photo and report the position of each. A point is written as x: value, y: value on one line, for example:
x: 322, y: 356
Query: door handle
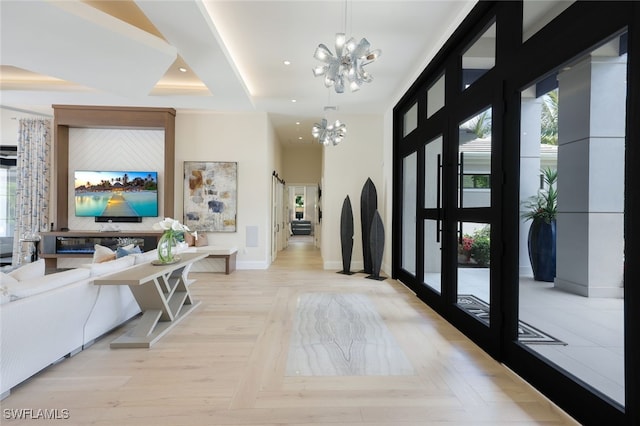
x: 461, y: 179
x: 438, y: 195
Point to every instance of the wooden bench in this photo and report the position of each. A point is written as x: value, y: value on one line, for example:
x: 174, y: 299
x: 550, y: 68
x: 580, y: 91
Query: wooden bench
x: 216, y: 252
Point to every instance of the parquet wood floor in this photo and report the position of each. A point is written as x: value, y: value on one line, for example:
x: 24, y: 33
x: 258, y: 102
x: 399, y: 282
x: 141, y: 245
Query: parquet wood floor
x: 225, y: 364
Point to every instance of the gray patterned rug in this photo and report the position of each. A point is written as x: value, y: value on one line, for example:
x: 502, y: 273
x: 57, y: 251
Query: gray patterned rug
x: 527, y: 334
x: 338, y: 334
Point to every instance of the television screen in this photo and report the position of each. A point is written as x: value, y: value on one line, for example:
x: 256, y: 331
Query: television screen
x: 116, y: 193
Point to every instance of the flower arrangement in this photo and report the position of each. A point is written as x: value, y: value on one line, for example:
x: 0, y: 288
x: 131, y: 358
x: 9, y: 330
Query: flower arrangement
x: 172, y: 226
x: 173, y: 233
x: 544, y: 205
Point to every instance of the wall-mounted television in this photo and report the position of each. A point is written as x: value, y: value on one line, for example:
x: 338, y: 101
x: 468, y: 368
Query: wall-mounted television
x: 116, y: 195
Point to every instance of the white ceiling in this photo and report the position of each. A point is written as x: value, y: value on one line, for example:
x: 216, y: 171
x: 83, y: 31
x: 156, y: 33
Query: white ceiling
x: 126, y: 53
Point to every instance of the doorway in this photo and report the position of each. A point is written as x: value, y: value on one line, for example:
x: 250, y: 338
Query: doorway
x: 303, y: 210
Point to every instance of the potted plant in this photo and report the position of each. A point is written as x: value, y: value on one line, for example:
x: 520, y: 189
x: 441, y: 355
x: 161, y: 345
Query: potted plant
x: 542, y: 210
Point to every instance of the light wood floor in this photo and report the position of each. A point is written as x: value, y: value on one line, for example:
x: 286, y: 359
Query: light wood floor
x: 225, y: 365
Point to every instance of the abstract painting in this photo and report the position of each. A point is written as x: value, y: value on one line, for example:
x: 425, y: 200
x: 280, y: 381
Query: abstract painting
x: 210, y: 195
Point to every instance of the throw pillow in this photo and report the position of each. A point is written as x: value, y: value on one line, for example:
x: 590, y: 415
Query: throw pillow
x: 202, y: 240
x: 103, y: 254
x: 145, y: 257
x: 189, y: 239
x: 28, y: 271
x: 125, y: 251
x: 103, y: 268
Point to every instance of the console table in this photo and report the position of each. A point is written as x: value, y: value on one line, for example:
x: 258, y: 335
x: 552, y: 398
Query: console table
x: 163, y: 295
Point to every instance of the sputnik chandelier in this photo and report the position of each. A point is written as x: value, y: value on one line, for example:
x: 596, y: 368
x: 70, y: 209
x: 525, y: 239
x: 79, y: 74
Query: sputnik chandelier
x: 348, y: 63
x: 329, y: 133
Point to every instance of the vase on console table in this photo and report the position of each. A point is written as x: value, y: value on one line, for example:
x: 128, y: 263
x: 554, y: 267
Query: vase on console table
x: 167, y: 247
x: 168, y: 242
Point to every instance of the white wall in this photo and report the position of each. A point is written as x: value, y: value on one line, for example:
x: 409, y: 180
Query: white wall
x: 249, y: 140
x: 346, y: 168
x: 302, y: 164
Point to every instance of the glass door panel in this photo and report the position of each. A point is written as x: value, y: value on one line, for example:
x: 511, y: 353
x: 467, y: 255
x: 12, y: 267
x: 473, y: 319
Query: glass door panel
x: 433, y: 213
x: 480, y: 57
x: 432, y: 255
x: 409, y: 189
x: 474, y: 179
x: 435, y: 96
x: 410, y: 121
x: 571, y: 281
x: 433, y: 174
x: 473, y: 269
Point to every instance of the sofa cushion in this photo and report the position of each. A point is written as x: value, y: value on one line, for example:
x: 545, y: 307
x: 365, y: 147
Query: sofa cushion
x: 28, y: 271
x: 98, y: 269
x: 7, y: 280
x: 38, y: 285
x: 102, y: 254
x: 4, y: 295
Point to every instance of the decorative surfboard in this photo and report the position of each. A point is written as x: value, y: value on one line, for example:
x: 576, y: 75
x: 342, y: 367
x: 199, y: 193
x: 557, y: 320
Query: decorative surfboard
x: 368, y: 206
x: 346, y: 236
x: 376, y: 239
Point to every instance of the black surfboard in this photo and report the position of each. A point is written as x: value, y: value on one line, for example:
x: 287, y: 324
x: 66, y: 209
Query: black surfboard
x: 346, y: 236
x: 368, y: 206
x: 376, y: 239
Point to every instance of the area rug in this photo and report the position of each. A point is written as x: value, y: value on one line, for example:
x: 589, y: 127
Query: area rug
x: 338, y: 334
x: 527, y: 334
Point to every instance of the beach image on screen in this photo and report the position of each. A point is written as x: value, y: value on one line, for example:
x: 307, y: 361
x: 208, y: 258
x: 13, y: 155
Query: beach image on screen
x: 116, y: 194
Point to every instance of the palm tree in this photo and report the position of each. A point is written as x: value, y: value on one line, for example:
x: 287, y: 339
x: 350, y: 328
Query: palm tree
x: 480, y: 125
x: 549, y: 121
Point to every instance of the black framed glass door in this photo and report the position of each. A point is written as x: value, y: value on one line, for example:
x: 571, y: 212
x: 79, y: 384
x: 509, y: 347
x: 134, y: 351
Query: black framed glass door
x: 470, y: 244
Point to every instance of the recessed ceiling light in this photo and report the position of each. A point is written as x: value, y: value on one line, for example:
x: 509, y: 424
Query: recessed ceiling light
x: 293, y: 100
x: 298, y: 123
x: 287, y: 62
x: 182, y: 69
x: 299, y: 137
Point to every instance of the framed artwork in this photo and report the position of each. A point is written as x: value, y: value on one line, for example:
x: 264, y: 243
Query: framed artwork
x: 210, y: 195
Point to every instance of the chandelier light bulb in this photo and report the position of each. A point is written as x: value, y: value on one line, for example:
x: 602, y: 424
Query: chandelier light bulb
x: 326, y: 133
x: 348, y: 63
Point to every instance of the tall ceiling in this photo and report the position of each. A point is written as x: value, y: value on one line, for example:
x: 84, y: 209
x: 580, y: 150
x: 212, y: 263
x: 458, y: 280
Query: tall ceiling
x: 128, y: 53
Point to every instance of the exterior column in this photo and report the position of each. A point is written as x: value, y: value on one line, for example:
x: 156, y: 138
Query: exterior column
x: 591, y: 127
x: 531, y: 112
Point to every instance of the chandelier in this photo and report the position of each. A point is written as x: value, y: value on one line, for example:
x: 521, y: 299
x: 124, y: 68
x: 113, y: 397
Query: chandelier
x: 329, y: 133
x: 347, y: 65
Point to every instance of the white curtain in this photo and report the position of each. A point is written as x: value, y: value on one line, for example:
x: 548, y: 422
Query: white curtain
x: 32, y: 183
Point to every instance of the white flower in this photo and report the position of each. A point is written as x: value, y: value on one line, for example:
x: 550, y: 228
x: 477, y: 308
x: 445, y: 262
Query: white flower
x: 169, y: 224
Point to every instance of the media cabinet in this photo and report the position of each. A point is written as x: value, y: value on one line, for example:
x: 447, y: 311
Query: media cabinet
x: 73, y: 244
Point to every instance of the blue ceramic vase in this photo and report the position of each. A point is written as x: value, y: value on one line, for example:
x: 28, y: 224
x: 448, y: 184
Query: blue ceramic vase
x: 542, y: 250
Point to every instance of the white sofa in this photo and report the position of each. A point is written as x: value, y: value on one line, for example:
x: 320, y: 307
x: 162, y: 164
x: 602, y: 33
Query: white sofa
x: 46, y: 318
